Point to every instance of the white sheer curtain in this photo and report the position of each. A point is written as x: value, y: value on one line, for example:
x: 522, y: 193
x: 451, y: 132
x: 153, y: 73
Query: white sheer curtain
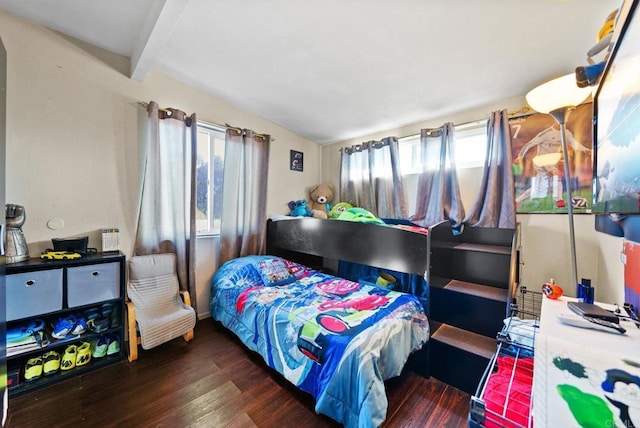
x: 166, y: 220
x: 495, y: 203
x: 370, y: 178
x: 244, y: 194
x: 438, y: 195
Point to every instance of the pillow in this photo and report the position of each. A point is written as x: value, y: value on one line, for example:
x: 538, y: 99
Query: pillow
x: 274, y: 272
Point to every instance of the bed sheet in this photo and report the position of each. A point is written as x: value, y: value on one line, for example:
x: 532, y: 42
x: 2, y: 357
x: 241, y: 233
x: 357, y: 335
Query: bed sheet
x: 335, y: 339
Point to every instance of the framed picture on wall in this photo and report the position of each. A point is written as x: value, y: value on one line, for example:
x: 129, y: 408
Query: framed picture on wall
x: 296, y: 160
x: 538, y: 163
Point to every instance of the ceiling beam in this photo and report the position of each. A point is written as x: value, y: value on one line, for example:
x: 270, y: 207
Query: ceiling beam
x: 158, y: 28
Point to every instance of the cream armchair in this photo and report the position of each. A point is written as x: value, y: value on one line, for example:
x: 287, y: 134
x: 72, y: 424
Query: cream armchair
x: 157, y: 311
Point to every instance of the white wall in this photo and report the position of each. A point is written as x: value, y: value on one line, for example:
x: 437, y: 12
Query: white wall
x: 72, y: 140
x: 544, y: 238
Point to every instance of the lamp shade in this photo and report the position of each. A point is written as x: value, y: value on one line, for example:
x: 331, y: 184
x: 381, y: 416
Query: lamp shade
x: 557, y: 93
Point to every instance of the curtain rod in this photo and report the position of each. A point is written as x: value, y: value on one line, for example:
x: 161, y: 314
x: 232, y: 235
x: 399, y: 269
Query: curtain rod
x: 145, y: 104
x: 514, y: 113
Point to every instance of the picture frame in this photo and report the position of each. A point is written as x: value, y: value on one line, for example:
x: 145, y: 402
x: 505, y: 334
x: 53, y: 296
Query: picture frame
x: 296, y: 160
x: 538, y: 167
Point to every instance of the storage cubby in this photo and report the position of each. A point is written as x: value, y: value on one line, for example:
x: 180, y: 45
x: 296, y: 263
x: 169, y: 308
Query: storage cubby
x: 472, y: 277
x: 38, y: 293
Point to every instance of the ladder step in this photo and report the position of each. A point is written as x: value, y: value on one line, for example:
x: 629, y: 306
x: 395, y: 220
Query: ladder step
x: 471, y: 342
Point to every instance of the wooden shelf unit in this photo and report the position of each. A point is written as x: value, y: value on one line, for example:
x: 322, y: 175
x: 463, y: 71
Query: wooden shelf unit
x: 81, y: 283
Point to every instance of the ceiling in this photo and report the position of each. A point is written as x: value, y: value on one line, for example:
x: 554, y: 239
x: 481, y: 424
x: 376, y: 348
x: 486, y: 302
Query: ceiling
x: 339, y: 69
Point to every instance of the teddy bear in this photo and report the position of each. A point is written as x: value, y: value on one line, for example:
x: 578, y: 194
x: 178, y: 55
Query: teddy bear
x: 321, y: 198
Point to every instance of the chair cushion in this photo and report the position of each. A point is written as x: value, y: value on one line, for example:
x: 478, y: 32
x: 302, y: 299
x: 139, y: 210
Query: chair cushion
x: 152, y: 265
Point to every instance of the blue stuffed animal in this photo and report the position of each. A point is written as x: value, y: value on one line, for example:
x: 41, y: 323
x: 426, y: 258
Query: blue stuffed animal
x: 299, y: 208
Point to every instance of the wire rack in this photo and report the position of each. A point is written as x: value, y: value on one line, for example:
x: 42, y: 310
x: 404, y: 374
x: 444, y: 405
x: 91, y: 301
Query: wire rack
x: 504, y: 396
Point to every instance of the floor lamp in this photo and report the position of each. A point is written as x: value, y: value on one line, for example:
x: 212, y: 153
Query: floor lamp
x: 558, y: 97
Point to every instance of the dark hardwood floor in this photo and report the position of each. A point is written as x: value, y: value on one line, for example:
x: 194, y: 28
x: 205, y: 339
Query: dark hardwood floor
x: 214, y: 382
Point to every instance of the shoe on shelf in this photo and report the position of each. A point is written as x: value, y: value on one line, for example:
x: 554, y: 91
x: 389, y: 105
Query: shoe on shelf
x: 83, y: 354
x: 112, y: 311
x: 107, y: 308
x: 51, y: 362
x: 114, y: 345
x: 80, y: 326
x: 115, y: 318
x: 63, y: 326
x: 69, y: 358
x: 100, y: 346
x: 98, y: 324
x: 90, y: 315
x: 33, y: 369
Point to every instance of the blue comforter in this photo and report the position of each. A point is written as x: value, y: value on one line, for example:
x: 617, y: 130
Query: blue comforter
x: 336, y: 339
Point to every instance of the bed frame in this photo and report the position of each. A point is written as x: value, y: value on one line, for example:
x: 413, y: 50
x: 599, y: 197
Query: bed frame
x: 363, y: 243
x: 472, y: 279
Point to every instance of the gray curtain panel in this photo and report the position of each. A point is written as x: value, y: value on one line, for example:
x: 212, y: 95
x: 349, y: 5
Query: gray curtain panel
x: 166, y: 218
x: 495, y: 203
x: 438, y: 194
x: 370, y: 178
x: 244, y: 194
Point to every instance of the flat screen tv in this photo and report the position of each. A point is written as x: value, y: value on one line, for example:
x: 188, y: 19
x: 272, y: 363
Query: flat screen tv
x: 616, y: 132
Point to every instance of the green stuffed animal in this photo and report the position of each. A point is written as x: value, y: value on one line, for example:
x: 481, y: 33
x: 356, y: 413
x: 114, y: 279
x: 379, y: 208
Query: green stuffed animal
x: 359, y: 215
x: 339, y: 208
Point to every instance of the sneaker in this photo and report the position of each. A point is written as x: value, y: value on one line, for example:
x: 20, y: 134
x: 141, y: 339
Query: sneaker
x: 63, y: 326
x: 83, y: 354
x: 69, y: 358
x: 100, y: 346
x: 98, y: 324
x: 114, y: 345
x: 90, y: 315
x: 33, y: 369
x: 51, y: 362
x: 107, y: 308
x: 80, y: 326
x: 112, y: 311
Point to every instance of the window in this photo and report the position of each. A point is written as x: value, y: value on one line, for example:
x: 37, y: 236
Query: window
x: 469, y: 148
x: 209, y: 174
x: 471, y: 144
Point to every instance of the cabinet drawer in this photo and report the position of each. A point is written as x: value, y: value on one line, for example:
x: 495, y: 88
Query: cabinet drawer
x: 33, y: 293
x: 93, y: 283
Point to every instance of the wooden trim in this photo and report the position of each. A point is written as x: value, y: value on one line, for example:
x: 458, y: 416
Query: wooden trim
x: 186, y: 297
x: 133, y: 335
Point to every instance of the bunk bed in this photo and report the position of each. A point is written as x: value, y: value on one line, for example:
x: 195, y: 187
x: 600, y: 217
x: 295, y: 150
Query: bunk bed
x: 355, y: 395
x: 469, y: 278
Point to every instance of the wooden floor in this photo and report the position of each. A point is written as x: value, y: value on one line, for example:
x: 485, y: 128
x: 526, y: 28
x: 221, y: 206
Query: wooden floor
x: 214, y: 382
